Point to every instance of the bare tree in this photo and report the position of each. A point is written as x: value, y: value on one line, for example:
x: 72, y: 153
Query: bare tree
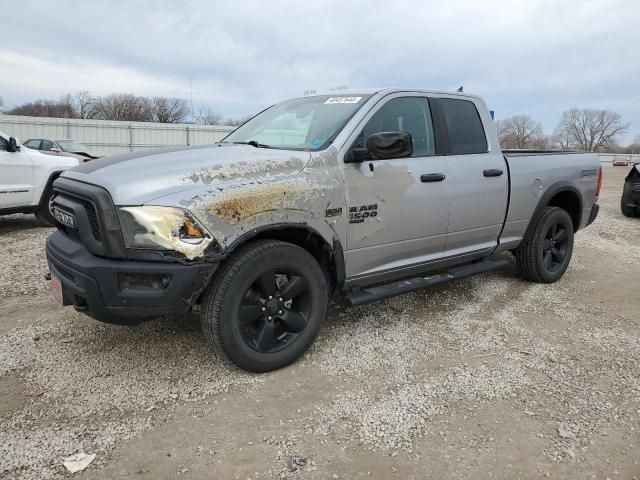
x: 168, y: 110
x: 541, y: 142
x: 68, y: 107
x: 208, y: 116
x: 634, y: 147
x: 123, y: 106
x: 562, y: 140
x: 591, y: 130
x: 519, y: 131
x: 236, y: 122
x: 44, y: 108
x: 84, y: 104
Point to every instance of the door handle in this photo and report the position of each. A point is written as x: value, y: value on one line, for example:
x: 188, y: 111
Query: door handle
x: 492, y: 172
x: 432, y: 177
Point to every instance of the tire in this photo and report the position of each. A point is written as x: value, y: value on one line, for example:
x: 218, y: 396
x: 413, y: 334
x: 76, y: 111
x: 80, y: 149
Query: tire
x: 44, y: 215
x: 256, y: 332
x: 545, y: 255
x: 627, y: 211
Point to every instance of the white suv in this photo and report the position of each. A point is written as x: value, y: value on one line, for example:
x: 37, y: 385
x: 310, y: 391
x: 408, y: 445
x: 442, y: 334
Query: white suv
x: 26, y: 177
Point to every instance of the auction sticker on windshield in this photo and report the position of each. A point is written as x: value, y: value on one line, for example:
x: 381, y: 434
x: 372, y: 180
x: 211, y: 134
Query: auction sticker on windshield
x: 343, y: 100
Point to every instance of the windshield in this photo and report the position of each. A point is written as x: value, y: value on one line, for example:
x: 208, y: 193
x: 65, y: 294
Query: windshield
x: 308, y: 123
x: 72, y: 146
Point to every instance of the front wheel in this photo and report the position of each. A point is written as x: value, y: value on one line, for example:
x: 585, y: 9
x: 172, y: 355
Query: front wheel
x: 266, y: 305
x: 545, y: 255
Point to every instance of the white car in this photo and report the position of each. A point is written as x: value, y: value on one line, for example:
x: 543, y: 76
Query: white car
x: 25, y: 179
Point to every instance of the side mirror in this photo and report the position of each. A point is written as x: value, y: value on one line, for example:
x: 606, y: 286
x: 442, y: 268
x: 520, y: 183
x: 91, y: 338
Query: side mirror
x: 14, y: 146
x: 357, y: 155
x: 55, y: 149
x: 385, y: 145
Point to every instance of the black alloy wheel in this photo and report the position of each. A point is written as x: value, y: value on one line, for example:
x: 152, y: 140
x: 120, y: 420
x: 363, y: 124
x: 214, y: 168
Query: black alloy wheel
x: 545, y: 253
x: 556, y: 244
x: 265, y: 305
x: 274, y: 310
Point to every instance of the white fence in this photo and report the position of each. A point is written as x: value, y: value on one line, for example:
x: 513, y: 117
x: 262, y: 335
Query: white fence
x: 109, y: 137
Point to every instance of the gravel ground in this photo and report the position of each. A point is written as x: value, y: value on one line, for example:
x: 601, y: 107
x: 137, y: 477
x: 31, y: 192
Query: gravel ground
x: 490, y: 377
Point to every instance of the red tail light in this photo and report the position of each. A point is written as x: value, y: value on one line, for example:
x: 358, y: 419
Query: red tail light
x: 599, y: 187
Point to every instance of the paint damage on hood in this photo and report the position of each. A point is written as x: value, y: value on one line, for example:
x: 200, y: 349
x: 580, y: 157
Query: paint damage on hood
x: 142, y: 177
x: 232, y: 199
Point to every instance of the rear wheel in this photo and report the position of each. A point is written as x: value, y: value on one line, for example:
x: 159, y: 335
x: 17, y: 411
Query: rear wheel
x: 44, y: 214
x: 266, y: 306
x: 545, y: 256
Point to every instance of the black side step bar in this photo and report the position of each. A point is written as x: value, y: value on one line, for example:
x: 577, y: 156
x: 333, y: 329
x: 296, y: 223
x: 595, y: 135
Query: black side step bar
x: 359, y: 296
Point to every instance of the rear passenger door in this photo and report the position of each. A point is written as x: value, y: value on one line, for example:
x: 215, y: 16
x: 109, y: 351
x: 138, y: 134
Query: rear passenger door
x: 477, y: 176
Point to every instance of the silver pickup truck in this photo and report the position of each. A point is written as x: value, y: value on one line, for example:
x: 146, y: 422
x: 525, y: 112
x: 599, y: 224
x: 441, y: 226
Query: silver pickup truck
x: 367, y: 193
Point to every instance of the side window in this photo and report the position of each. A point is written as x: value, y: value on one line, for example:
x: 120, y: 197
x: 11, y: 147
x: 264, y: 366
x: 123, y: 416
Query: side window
x: 405, y: 114
x: 466, y: 133
x: 35, y: 144
x: 46, y: 145
x: 4, y: 145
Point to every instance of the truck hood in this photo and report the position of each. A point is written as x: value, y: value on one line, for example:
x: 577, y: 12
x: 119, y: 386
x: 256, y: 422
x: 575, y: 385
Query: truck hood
x: 140, y: 177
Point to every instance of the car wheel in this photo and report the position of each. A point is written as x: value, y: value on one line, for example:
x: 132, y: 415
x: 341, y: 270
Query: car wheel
x: 266, y: 305
x: 545, y: 255
x: 626, y: 202
x: 44, y: 214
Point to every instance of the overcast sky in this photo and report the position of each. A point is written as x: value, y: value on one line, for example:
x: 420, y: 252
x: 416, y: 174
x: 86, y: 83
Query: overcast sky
x: 537, y: 57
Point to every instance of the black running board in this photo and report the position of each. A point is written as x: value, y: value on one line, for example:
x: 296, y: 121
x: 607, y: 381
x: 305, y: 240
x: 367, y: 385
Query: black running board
x: 359, y: 296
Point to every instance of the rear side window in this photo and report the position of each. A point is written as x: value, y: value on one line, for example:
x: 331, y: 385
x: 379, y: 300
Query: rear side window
x: 466, y: 133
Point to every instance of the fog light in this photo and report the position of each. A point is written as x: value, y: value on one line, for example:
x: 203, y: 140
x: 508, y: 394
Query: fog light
x: 143, y: 281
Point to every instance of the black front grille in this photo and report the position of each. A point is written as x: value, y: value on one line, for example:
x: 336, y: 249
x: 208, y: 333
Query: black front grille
x: 72, y: 232
x: 93, y: 218
x: 96, y: 224
x: 88, y: 208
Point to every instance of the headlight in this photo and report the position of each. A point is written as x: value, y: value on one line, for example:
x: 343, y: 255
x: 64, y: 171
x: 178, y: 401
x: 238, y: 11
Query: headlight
x: 165, y: 228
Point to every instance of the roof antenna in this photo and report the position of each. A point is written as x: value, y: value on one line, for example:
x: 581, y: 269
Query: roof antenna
x: 461, y: 89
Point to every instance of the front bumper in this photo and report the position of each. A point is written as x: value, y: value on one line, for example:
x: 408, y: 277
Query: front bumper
x: 123, y: 291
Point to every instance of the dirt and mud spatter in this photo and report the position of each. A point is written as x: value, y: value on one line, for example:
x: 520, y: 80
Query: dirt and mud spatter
x: 244, y: 169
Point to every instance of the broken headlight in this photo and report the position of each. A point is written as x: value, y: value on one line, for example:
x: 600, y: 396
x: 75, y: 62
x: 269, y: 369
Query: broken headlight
x: 165, y: 228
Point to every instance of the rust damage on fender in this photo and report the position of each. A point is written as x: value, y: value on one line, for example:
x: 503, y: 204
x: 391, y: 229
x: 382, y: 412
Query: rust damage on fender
x: 298, y: 193
x: 238, y: 204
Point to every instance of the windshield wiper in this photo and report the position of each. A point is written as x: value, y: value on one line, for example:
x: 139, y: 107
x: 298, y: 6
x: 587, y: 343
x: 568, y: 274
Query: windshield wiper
x: 253, y: 143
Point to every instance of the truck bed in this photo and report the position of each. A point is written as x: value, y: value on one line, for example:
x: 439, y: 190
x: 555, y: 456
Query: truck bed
x: 533, y: 174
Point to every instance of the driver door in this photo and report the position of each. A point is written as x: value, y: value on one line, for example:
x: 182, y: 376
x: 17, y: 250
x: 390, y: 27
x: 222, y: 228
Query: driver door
x: 398, y: 208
